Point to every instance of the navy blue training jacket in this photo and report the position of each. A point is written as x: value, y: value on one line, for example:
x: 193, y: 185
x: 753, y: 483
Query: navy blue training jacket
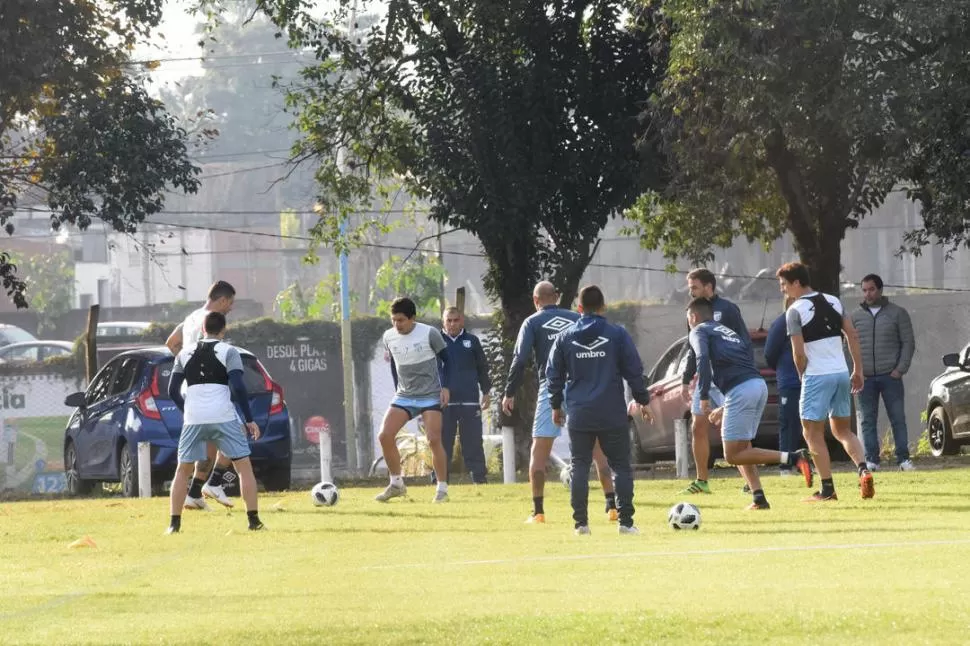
x: 726, y: 313
x: 468, y: 367
x: 535, y: 338
x: 723, y: 356
x: 590, y: 361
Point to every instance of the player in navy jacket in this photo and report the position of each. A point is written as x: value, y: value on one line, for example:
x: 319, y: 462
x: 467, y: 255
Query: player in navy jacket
x: 587, y: 366
x: 535, y: 339
x: 726, y: 360
x: 469, y: 374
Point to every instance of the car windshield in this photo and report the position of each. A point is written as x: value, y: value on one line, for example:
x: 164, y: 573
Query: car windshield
x: 252, y: 375
x: 11, y: 334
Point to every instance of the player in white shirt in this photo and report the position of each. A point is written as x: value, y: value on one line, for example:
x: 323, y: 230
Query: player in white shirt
x: 219, y: 299
x: 816, y: 325
x: 212, y: 370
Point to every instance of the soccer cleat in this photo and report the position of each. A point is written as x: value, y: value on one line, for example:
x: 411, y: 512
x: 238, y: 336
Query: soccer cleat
x: 804, y: 466
x: 172, y: 530
x: 758, y: 506
x: 818, y: 497
x: 217, y: 493
x: 392, y: 491
x: 907, y: 465
x: 696, y: 487
x: 535, y: 519
x: 196, y: 503
x: 866, y: 485
x: 612, y: 515
x: 629, y: 531
x: 746, y: 489
x: 440, y: 496
x: 257, y: 527
x: 582, y: 530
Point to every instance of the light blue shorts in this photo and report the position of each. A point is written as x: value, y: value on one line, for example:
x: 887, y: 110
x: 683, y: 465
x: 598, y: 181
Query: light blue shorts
x: 542, y: 425
x: 825, y: 396
x: 415, y: 407
x: 717, y: 399
x: 230, y: 437
x: 743, y: 407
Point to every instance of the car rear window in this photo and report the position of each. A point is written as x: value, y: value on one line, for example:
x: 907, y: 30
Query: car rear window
x: 252, y: 376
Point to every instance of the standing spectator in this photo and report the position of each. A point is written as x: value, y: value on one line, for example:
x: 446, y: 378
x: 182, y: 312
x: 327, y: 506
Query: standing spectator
x: 779, y: 358
x: 887, y: 342
x: 463, y: 414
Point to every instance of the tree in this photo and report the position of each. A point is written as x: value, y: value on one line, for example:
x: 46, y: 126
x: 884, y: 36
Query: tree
x: 419, y: 278
x: 79, y: 136
x: 49, y: 282
x: 796, y: 115
x: 516, y: 121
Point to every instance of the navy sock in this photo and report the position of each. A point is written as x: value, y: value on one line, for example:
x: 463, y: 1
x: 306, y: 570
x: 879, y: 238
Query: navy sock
x: 537, y: 505
x: 175, y: 523
x: 828, y: 487
x: 863, y: 467
x: 195, y: 489
x: 216, y: 478
x: 611, y: 501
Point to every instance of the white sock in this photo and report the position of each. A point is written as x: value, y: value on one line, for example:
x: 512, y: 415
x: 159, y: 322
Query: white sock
x: 397, y: 481
x: 784, y: 457
x: 442, y: 487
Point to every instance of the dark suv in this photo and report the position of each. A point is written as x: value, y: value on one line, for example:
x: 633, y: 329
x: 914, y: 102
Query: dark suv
x: 948, y: 405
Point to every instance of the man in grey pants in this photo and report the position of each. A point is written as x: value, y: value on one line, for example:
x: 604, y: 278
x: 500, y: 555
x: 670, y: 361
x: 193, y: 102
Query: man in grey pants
x: 887, y: 343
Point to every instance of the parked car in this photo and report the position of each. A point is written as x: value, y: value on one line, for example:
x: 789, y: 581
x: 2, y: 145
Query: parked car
x: 127, y: 402
x: 34, y: 351
x: 948, y: 405
x: 122, y: 328
x: 13, y: 334
x: 652, y: 442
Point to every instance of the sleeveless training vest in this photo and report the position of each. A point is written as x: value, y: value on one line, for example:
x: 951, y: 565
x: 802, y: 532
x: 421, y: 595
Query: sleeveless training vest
x: 827, y: 322
x: 205, y: 367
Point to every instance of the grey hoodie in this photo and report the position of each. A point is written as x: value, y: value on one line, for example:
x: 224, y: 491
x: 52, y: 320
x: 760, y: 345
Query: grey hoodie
x: 886, y: 339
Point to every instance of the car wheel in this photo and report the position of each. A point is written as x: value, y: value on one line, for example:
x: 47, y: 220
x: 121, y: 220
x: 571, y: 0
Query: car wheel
x: 277, y: 478
x: 127, y: 474
x: 940, y: 434
x: 75, y: 485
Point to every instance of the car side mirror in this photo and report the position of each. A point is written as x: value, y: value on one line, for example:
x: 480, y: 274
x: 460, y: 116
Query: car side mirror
x: 75, y: 400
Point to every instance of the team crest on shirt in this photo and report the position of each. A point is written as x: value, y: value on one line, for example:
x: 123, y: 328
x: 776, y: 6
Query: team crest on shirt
x: 467, y: 343
x: 717, y: 316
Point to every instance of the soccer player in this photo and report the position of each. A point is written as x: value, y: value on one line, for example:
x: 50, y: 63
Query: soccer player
x: 701, y: 283
x: 415, y: 350
x: 587, y: 365
x: 469, y: 373
x: 220, y: 299
x: 816, y: 324
x: 727, y: 360
x: 535, y: 338
x: 210, y: 368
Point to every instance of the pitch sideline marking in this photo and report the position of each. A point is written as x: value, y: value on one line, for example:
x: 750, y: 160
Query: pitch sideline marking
x: 713, y: 552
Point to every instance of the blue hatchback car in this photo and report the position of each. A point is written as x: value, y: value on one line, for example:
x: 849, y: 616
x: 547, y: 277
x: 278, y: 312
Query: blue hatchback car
x: 127, y: 403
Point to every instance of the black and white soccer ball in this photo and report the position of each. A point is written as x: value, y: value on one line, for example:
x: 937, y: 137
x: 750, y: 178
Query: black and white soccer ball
x: 324, y: 494
x: 684, y: 515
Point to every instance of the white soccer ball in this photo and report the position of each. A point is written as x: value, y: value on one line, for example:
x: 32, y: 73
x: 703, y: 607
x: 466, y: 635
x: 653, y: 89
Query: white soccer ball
x: 324, y: 494
x: 684, y: 515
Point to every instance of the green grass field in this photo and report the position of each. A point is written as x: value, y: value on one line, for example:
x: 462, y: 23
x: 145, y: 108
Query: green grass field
x: 893, y: 570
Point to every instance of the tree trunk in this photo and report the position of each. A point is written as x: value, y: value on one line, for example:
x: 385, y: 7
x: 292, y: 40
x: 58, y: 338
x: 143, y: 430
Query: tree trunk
x: 823, y: 261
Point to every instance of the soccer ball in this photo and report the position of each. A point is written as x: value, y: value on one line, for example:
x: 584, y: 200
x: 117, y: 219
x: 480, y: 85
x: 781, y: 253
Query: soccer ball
x: 566, y: 476
x: 684, y: 515
x: 324, y: 494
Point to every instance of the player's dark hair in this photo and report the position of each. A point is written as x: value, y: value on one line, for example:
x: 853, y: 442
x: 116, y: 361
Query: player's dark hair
x: 702, y: 308
x: 793, y: 271
x: 215, y: 322
x: 706, y: 276
x: 592, y: 299
x: 221, y: 289
x: 876, y: 279
x: 405, y: 306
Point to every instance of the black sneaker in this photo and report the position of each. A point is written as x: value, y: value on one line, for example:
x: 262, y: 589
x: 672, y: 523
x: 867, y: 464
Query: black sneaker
x: 255, y: 527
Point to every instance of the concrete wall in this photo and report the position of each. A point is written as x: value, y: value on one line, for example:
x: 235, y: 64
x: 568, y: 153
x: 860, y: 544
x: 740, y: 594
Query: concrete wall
x: 941, y: 323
